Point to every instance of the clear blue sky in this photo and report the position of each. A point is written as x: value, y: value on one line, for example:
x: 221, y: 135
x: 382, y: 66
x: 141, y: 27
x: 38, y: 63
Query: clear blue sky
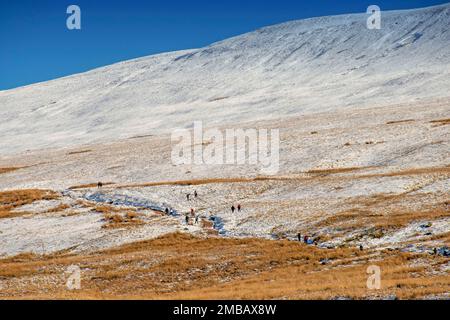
x: 35, y: 44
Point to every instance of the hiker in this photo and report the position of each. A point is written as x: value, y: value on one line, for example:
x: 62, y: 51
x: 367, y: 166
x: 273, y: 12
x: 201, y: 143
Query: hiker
x: 195, y: 194
x: 192, y: 212
x: 187, y: 219
x: 361, y: 247
x: 188, y: 196
x: 196, y: 218
x: 299, y: 237
x: 167, y: 211
x: 239, y: 208
x: 99, y: 185
x: 232, y: 209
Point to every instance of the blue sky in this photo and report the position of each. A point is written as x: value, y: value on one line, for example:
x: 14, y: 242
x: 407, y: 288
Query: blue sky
x: 35, y: 44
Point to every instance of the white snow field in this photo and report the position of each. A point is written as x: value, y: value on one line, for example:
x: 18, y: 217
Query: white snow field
x: 364, y: 139
x: 300, y: 67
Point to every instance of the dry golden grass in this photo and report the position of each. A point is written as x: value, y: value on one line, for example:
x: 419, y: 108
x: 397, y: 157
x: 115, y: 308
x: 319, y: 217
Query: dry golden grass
x: 105, y: 209
x: 194, y: 182
x: 436, y: 171
x: 181, y: 266
x: 117, y: 220
x: 79, y: 152
x: 9, y: 169
x: 337, y: 170
x: 411, y: 172
x: 400, y: 121
x: 378, y: 214
x: 59, y: 208
x: 441, y: 122
x: 359, y: 218
x: 314, y: 174
x: 10, y: 200
x: 89, y: 185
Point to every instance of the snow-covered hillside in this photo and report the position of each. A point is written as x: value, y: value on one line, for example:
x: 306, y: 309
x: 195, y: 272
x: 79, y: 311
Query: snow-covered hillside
x: 298, y: 67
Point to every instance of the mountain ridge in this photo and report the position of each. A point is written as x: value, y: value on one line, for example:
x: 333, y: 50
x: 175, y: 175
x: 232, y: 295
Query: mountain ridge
x: 297, y: 67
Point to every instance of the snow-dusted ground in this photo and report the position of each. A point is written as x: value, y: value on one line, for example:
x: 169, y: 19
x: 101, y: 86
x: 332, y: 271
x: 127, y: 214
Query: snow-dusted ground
x: 352, y: 87
x: 77, y: 228
x: 271, y: 208
x: 299, y: 67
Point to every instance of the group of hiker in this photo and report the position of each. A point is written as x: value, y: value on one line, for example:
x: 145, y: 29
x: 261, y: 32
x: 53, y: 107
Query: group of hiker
x: 192, y: 215
x: 188, y: 195
x: 233, y: 208
x: 168, y: 211
x: 306, y: 239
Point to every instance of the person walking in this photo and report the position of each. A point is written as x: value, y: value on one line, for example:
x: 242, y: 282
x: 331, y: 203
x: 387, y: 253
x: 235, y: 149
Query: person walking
x: 167, y: 211
x: 188, y: 196
x: 232, y: 209
x: 239, y: 207
x: 299, y: 237
x: 196, y: 219
x: 195, y: 194
x: 187, y: 219
x: 192, y: 212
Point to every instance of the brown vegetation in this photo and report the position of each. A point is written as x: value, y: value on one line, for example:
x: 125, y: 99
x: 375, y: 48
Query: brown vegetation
x: 358, y: 218
x: 411, y: 172
x: 400, y: 121
x: 181, y: 266
x: 441, y: 122
x: 337, y: 170
x: 194, y: 182
x: 58, y: 208
x: 79, y: 152
x: 10, y: 200
x: 89, y: 185
x: 9, y: 169
x: 117, y: 220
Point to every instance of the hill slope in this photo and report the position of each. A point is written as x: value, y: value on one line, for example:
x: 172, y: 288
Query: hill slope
x: 298, y: 67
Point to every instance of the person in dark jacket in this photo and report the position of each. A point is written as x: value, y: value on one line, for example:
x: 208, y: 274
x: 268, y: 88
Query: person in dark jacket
x: 239, y: 208
x: 232, y: 209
